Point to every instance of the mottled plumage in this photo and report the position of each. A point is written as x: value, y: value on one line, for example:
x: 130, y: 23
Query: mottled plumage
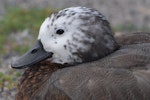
x: 114, y: 73
x: 134, y: 38
x: 85, y: 31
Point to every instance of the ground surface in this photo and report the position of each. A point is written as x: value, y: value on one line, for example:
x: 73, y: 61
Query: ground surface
x: 117, y: 11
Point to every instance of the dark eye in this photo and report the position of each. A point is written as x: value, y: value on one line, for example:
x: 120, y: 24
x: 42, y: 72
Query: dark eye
x: 60, y: 31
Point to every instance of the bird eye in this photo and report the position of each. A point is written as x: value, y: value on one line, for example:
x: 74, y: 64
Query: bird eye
x: 60, y: 31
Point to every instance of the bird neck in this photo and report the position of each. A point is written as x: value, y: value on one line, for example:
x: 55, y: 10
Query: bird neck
x: 33, y: 78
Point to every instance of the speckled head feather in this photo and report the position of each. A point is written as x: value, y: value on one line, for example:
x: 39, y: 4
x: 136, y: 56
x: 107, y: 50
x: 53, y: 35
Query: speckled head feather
x: 76, y: 35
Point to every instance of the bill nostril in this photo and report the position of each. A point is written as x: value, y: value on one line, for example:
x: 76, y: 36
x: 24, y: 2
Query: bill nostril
x: 34, y: 51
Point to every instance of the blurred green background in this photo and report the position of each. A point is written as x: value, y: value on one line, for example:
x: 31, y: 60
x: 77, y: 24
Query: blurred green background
x: 18, y: 31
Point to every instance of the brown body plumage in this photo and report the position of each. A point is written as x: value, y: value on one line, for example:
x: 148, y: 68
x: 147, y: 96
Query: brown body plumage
x: 122, y: 75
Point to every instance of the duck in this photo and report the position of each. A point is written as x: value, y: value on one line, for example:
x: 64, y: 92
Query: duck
x: 78, y: 57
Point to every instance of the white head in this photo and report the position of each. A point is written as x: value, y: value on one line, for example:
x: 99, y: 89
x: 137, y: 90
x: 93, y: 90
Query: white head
x: 76, y: 35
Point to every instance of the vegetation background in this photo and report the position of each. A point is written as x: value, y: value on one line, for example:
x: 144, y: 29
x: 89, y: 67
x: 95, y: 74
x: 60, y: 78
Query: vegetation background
x: 20, y: 21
